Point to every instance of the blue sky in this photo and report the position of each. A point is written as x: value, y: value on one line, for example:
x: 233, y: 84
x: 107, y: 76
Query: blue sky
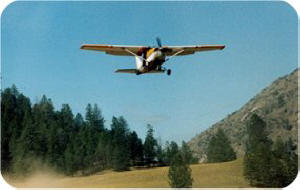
x: 40, y: 54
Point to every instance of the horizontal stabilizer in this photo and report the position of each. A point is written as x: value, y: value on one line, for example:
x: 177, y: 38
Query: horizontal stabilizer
x: 155, y: 71
x: 133, y: 71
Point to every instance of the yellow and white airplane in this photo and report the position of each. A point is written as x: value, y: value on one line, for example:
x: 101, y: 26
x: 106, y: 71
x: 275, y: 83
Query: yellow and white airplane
x: 150, y: 59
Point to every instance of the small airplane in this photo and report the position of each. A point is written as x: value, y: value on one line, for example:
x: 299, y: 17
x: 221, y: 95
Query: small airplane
x: 149, y: 59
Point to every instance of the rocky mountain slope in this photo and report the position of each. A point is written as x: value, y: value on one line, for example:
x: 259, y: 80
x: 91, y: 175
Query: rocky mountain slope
x: 277, y: 105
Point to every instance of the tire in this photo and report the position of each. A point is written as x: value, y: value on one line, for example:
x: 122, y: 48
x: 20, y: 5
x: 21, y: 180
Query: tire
x: 169, y: 72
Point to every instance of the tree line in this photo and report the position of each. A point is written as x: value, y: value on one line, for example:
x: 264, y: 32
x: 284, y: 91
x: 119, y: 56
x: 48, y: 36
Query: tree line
x: 73, y: 144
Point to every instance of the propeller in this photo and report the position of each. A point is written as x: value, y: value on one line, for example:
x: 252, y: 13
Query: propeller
x: 158, y: 41
x: 159, y: 45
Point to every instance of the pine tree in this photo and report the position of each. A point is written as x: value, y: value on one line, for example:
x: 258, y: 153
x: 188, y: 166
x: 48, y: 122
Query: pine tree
x: 283, y: 163
x: 136, y: 148
x: 69, y: 159
x: 26, y: 149
x: 258, y: 156
x: 187, y: 154
x: 14, y: 106
x: 150, y: 146
x: 78, y: 122
x: 179, y: 173
x: 66, y: 117
x: 43, y: 119
x: 219, y: 148
x: 94, y: 117
x: 98, y: 120
x: 8, y: 124
x: 171, y: 150
x: 89, y: 115
x: 160, y: 154
x: 121, y: 154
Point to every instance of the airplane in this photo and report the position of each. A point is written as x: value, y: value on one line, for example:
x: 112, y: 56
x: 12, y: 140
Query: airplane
x: 150, y: 59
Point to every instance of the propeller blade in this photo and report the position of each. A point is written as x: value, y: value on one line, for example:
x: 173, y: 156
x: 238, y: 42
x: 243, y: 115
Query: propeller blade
x: 158, y: 41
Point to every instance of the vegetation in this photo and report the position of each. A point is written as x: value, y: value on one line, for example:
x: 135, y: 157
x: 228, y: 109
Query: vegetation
x: 57, y: 138
x: 266, y: 165
x: 150, y: 146
x: 77, y: 145
x: 219, y: 148
x: 73, y: 145
x: 179, y: 171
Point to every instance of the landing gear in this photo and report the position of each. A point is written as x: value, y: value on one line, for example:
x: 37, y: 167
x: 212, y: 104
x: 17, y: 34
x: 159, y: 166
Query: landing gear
x: 169, y: 72
x: 164, y: 70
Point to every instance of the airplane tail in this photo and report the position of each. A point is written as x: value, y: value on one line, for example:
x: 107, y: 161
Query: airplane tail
x: 131, y: 71
x: 135, y: 71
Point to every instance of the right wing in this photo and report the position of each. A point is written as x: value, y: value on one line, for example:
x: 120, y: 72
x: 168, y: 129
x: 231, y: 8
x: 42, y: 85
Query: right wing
x: 114, y: 49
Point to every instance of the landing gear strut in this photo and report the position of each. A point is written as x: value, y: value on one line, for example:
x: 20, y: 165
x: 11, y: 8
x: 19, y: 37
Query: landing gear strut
x: 169, y: 72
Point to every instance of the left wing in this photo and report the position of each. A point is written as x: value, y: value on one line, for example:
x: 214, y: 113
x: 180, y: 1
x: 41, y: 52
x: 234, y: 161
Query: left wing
x: 114, y: 49
x: 186, y: 50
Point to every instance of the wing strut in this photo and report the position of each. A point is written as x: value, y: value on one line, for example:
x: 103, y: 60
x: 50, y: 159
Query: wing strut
x: 135, y: 55
x: 178, y: 52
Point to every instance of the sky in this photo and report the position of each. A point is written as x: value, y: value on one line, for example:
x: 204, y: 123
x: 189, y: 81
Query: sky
x: 40, y: 54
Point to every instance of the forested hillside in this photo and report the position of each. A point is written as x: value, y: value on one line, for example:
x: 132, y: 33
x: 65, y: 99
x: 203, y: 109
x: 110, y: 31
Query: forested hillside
x: 277, y: 105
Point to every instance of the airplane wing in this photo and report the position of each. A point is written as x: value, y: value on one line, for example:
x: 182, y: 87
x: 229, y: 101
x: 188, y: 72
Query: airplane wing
x: 186, y: 50
x: 113, y: 49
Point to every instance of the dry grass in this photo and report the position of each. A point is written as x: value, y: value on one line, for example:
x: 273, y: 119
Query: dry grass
x: 227, y: 174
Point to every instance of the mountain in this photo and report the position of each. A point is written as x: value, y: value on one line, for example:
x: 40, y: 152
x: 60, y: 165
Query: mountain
x: 277, y: 105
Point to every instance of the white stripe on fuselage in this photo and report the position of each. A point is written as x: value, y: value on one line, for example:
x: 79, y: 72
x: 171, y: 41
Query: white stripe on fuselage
x: 139, y: 64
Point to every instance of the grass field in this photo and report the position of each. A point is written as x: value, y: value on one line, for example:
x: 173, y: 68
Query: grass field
x: 227, y: 174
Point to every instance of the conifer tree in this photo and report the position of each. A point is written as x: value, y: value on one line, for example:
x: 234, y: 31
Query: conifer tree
x: 78, y: 122
x: 171, y: 150
x: 8, y: 123
x: 121, y: 154
x: 187, y: 154
x: 179, y: 173
x: 26, y: 149
x: 160, y: 154
x: 89, y: 114
x: 219, y: 148
x: 150, y: 145
x: 136, y: 148
x: 258, y: 156
x: 98, y: 120
x: 283, y: 163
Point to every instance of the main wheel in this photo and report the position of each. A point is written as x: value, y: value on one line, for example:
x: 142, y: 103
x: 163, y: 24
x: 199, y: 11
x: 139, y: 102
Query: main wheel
x: 169, y: 72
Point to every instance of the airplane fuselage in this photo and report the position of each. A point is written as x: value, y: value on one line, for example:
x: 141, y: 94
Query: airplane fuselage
x: 150, y: 60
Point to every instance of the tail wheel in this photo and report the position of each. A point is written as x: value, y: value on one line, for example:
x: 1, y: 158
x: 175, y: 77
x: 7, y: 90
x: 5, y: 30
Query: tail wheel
x: 169, y: 72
